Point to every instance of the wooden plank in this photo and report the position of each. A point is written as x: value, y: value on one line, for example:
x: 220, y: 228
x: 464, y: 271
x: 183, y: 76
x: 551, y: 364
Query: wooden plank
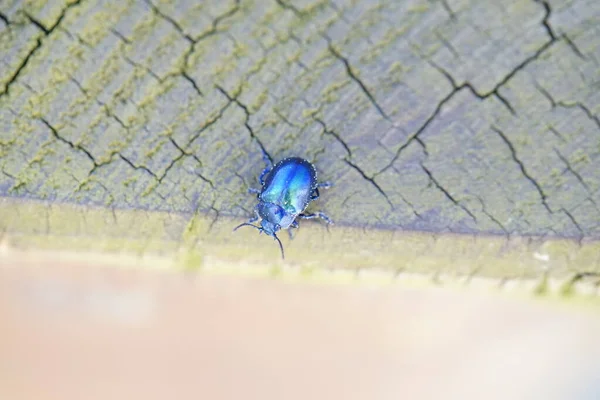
x: 448, y: 117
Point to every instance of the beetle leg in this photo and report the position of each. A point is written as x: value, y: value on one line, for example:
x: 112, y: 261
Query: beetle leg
x: 267, y: 159
x: 255, y: 218
x: 293, y: 225
x: 261, y: 178
x: 315, y: 194
x: 316, y: 215
x: 252, y: 190
x: 267, y: 169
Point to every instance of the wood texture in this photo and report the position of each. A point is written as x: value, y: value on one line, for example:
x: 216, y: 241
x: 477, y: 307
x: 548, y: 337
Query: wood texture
x: 455, y: 116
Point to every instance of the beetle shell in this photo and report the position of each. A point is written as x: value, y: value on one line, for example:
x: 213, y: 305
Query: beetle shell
x: 287, y: 191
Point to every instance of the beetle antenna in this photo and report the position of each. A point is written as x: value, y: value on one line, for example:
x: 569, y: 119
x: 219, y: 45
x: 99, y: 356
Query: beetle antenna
x: 280, y: 246
x: 261, y: 231
x: 247, y: 224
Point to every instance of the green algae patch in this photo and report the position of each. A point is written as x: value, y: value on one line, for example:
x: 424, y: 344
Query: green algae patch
x: 201, y: 242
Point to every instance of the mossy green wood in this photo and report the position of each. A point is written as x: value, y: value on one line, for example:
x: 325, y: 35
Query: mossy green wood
x: 476, y: 117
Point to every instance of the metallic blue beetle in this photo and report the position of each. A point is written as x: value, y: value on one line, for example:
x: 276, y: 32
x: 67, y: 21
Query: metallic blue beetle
x: 289, y: 187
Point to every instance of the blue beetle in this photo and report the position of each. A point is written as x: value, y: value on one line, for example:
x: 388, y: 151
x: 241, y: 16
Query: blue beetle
x: 289, y: 187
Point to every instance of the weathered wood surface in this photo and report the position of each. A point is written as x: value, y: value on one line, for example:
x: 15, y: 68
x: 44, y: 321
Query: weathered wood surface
x: 477, y: 117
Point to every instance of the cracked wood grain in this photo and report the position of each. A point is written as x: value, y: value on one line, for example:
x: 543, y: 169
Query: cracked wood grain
x: 469, y: 117
x: 516, y: 159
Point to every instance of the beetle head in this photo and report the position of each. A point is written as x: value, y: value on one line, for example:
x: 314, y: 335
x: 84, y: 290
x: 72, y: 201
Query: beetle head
x: 271, y: 215
x: 268, y: 212
x: 269, y: 227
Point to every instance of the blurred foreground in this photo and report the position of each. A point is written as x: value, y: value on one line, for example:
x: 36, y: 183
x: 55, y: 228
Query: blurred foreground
x: 75, y: 330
